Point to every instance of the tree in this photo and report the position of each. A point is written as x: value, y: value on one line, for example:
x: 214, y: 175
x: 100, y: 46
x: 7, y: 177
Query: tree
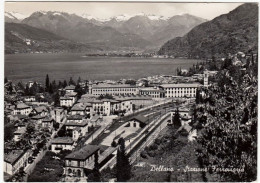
x: 72, y: 82
x: 65, y: 83
x: 57, y: 99
x: 176, y: 119
x: 50, y: 89
x: 123, y: 166
x: 131, y: 82
x: 47, y: 83
x: 79, y: 80
x: 6, y: 80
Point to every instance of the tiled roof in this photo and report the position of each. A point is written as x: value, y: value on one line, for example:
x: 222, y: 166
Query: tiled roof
x: 62, y: 140
x: 180, y: 85
x: 140, y: 118
x: 65, y: 98
x: 71, y: 94
x: 113, y: 86
x: 82, y: 124
x: 40, y: 109
x: 75, y: 117
x: 79, y: 107
x: 20, y: 131
x: 70, y: 87
x: 22, y: 106
x: 83, y: 153
x: 13, y: 156
x: 37, y: 117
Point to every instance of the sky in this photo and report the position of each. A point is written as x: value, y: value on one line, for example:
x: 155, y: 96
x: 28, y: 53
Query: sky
x: 104, y: 10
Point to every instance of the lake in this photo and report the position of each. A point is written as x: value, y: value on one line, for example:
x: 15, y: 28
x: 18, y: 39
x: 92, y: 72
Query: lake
x: 34, y: 67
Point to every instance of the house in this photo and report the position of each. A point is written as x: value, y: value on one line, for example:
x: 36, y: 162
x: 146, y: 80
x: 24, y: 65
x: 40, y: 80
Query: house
x: 14, y: 160
x: 62, y: 143
x: 22, y: 108
x: 38, y: 119
x: 47, y: 122
x: 69, y: 88
x: 72, y: 125
x: 18, y: 133
x: 72, y: 95
x: 79, y: 108
x: 29, y: 99
x: 138, y: 121
x: 66, y: 101
x: 40, y: 110
x: 78, y: 162
x: 94, y: 121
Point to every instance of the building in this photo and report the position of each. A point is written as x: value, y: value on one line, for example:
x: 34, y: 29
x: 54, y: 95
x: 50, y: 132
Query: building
x: 47, y: 122
x: 106, y: 89
x: 153, y: 92
x: 15, y: 160
x: 77, y: 122
x: 81, y: 109
x: 180, y: 90
x: 29, y: 99
x: 79, y: 161
x: 40, y: 110
x: 66, y: 101
x: 22, y: 108
x: 138, y: 121
x: 18, y: 133
x: 62, y: 143
x: 69, y: 88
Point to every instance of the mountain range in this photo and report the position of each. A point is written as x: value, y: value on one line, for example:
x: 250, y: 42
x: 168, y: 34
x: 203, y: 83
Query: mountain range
x: 227, y: 33
x: 138, y: 32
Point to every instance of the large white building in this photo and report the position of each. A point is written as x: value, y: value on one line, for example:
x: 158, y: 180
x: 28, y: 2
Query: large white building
x: 180, y: 90
x: 103, y: 89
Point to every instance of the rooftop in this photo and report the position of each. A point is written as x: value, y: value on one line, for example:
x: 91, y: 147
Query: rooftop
x: 83, y: 153
x: 70, y: 87
x: 79, y: 107
x: 113, y: 86
x: 13, y: 156
x: 82, y: 124
x: 62, y: 140
x: 22, y: 106
x: 65, y: 98
x: 75, y: 117
x: 141, y: 119
x: 40, y: 109
x: 180, y: 85
x: 20, y: 131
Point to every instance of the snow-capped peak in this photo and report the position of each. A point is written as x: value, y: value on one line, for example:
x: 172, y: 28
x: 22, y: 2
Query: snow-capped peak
x: 123, y: 17
x: 87, y: 16
x: 15, y: 15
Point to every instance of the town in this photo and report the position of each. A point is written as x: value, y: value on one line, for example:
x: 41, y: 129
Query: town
x: 90, y: 116
x: 79, y: 126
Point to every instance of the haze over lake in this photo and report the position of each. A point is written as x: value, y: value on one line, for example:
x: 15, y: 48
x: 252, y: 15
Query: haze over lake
x: 34, y: 67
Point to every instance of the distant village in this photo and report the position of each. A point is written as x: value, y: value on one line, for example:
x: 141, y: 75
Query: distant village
x: 84, y: 119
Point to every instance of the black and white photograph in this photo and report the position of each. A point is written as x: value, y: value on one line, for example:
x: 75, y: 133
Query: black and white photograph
x: 129, y: 91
